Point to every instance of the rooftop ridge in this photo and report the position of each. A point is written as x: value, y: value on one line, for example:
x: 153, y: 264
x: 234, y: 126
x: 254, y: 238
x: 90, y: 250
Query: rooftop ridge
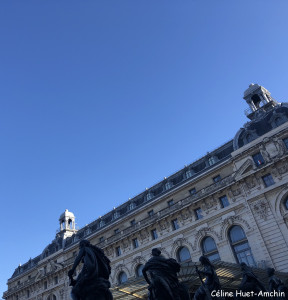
x: 158, y: 182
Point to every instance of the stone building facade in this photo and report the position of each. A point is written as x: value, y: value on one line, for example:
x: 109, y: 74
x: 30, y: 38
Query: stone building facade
x: 231, y: 205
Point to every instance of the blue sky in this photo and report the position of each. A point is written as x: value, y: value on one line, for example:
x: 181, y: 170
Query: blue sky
x: 101, y: 99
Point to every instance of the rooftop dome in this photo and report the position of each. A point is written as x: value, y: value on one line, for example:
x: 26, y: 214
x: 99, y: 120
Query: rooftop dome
x: 66, y: 214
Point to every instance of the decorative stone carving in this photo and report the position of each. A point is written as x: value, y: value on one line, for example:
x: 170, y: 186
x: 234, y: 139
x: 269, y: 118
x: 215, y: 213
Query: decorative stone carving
x: 250, y: 182
x: 120, y: 268
x: 231, y: 221
x: 280, y: 146
x: 109, y: 251
x: 180, y: 243
x: 283, y: 169
x: 144, y: 235
x: 201, y: 233
x: 184, y: 215
x: 209, y: 205
x: 261, y: 209
x: 61, y: 292
x: 265, y: 153
x: 125, y: 244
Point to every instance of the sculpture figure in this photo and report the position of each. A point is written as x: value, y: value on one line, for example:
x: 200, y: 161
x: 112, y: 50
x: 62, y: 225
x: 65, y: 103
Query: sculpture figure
x: 277, y: 285
x: 211, y: 282
x: 92, y: 282
x: 161, y: 275
x: 250, y: 282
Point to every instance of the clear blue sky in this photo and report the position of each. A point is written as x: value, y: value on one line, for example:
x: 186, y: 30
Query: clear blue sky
x: 101, y: 99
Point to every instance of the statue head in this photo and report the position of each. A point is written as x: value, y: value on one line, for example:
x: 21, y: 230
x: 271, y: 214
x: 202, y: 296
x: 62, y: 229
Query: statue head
x: 205, y: 261
x: 84, y: 243
x: 156, y: 252
x: 270, y: 271
x: 243, y: 266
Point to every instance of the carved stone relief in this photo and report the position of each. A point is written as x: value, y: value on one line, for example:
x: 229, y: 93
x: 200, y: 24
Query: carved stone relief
x: 231, y: 221
x: 261, y: 208
x: 280, y: 146
x: 201, y: 233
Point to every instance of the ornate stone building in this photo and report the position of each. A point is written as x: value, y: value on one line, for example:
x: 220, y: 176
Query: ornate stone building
x: 231, y: 205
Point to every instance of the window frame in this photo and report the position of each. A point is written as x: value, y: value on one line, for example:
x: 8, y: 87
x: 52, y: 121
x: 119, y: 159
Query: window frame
x: 258, y: 159
x: 154, y: 234
x: 135, y: 243
x: 269, y: 182
x: 199, y: 215
x: 222, y: 203
x: 243, y: 241
x: 118, y: 251
x: 179, y: 257
x: 175, y: 224
x: 212, y: 252
x: 217, y: 178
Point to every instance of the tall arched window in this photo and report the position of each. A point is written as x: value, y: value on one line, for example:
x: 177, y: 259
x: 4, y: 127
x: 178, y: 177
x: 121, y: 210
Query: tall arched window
x: 209, y: 249
x: 139, y: 270
x: 183, y: 254
x: 122, y: 277
x: 241, y: 246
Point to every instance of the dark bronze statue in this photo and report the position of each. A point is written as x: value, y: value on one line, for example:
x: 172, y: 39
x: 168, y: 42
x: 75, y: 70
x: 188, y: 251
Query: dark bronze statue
x: 92, y: 282
x: 250, y: 284
x: 211, y: 282
x: 277, y: 285
x: 161, y: 275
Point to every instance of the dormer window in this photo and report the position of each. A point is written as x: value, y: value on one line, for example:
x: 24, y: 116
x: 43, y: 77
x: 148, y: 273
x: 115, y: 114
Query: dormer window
x: 116, y: 215
x: 168, y: 185
x: 132, y: 205
x: 188, y: 174
x: 101, y: 223
x: 212, y: 160
x: 149, y: 196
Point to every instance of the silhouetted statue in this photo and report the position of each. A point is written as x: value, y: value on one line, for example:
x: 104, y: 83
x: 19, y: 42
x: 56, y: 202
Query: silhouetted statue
x: 92, y: 282
x: 211, y: 282
x: 250, y: 283
x: 277, y: 285
x: 162, y: 278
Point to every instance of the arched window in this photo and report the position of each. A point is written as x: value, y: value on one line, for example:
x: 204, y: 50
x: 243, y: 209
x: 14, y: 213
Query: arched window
x: 209, y: 249
x: 286, y: 203
x: 122, y: 277
x: 240, y: 246
x: 183, y: 254
x: 52, y: 297
x: 70, y: 224
x: 139, y: 270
